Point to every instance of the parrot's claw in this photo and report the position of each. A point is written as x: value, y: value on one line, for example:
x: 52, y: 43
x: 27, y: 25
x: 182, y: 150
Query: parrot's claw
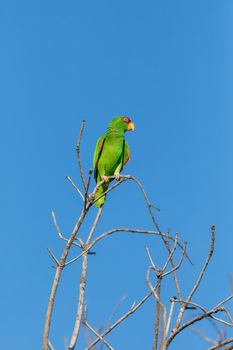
x: 117, y: 176
x: 91, y: 197
x: 105, y: 178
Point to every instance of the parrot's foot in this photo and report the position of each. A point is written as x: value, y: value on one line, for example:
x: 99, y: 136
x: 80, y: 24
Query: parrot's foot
x: 91, y: 197
x: 117, y: 176
x: 105, y: 178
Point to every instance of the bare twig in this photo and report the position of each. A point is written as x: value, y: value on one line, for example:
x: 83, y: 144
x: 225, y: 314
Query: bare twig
x: 129, y: 230
x: 133, y: 230
x: 229, y: 315
x: 79, y: 155
x: 53, y: 256
x: 124, y: 317
x: 215, y: 326
x: 97, y: 334
x: 171, y: 252
x: 159, y: 305
x: 183, y: 306
x: 229, y: 347
x: 149, y: 206
x: 150, y: 258
x: 50, y: 345
x: 76, y: 187
x: 85, y: 250
x: 82, y: 286
x: 56, y: 225
x: 170, y: 315
x: 118, y: 183
x: 198, y: 318
x: 224, y: 301
x: 173, y: 270
x: 222, y: 343
x: 111, y: 317
x: 202, y: 335
x: 94, y: 225
x: 56, y: 280
x: 59, y: 231
x: 192, y: 321
x: 121, y: 319
x: 156, y: 296
x: 205, y: 265
x: 157, y: 317
x: 88, y: 183
x: 223, y: 321
x: 138, y: 305
x: 223, y: 309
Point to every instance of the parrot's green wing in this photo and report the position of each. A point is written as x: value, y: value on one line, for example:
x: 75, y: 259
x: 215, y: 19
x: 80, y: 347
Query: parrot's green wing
x: 97, y: 154
x: 126, y: 154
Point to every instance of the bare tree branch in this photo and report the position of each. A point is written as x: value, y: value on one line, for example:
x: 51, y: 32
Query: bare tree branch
x: 59, y: 231
x: 129, y: 230
x: 205, y: 265
x: 192, y: 321
x: 170, y: 315
x: 171, y: 252
x: 173, y: 270
x: 57, y: 279
x: 149, y: 205
x: 75, y: 186
x: 159, y: 305
x: 121, y: 319
x: 53, y: 256
x: 224, y: 301
x: 111, y: 317
x: 202, y: 335
x: 88, y: 183
x: 222, y: 343
x: 182, y: 309
x: 79, y: 155
x: 98, y: 335
x: 134, y: 230
x: 50, y: 345
x: 94, y: 225
x: 85, y: 250
x: 223, y: 309
x: 82, y: 287
x: 118, y: 183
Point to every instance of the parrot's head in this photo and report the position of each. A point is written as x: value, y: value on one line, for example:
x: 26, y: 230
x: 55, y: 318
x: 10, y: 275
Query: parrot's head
x: 122, y: 123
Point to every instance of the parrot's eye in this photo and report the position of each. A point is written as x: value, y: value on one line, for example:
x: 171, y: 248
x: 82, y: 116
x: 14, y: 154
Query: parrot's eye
x: 126, y: 120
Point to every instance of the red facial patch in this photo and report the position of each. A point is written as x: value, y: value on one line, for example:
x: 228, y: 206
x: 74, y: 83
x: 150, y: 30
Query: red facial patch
x: 126, y: 120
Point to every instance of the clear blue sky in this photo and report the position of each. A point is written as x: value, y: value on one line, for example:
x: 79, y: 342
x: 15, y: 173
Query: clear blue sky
x: 168, y: 65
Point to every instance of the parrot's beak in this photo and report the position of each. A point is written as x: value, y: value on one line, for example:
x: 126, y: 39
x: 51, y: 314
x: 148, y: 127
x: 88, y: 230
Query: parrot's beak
x: 130, y: 126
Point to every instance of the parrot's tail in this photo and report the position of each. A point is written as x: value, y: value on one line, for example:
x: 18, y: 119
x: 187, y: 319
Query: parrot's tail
x: 101, y: 190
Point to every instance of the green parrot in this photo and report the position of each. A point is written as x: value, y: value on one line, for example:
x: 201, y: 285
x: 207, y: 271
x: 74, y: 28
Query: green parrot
x: 111, y: 154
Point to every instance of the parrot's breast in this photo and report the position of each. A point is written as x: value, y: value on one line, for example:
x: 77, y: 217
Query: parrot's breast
x: 111, y: 156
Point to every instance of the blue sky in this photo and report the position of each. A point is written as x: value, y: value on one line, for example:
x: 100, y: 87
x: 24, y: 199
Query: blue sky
x: 168, y: 65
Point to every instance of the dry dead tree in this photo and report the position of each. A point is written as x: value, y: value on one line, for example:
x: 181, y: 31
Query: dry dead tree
x: 163, y: 333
